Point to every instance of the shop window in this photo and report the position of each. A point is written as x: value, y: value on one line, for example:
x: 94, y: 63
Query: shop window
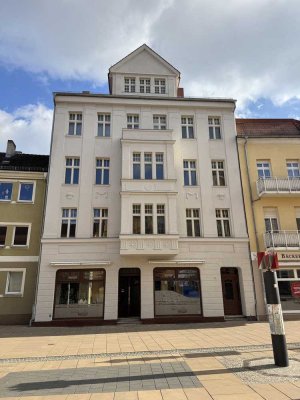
x: 79, y: 294
x: 289, y: 289
x: 177, y: 291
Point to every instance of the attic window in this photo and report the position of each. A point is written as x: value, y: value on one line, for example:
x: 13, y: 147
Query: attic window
x: 160, y: 86
x: 145, y: 85
x: 129, y: 85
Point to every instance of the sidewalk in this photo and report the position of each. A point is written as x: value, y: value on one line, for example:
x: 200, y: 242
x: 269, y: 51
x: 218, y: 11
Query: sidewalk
x: 167, y: 362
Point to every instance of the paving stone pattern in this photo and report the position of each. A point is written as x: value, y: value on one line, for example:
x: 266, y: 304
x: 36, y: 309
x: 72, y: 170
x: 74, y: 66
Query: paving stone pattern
x: 150, y: 376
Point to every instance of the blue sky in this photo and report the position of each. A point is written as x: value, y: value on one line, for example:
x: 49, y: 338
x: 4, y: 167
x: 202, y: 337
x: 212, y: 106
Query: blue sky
x: 249, y: 51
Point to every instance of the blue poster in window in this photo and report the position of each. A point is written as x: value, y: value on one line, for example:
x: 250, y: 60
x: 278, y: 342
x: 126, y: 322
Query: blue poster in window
x: 5, y: 190
x: 26, y: 191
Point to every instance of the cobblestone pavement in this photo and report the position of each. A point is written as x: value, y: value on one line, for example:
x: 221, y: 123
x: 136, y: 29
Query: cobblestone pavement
x: 230, y: 361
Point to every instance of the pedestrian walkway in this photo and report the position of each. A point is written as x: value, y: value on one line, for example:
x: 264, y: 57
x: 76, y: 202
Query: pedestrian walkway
x: 191, y: 362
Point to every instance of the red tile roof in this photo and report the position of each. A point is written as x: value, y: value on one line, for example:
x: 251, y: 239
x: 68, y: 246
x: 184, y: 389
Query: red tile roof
x: 267, y: 127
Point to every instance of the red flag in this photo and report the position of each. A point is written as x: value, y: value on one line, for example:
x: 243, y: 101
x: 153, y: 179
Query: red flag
x: 260, y: 256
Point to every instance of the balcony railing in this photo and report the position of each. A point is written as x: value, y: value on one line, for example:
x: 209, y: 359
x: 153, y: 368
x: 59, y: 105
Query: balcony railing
x: 282, y: 239
x: 278, y: 185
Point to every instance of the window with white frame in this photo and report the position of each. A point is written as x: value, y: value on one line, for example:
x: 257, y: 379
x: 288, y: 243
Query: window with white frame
x: 129, y: 85
x: 293, y: 169
x: 271, y: 220
x: 136, y: 160
x: 148, y: 170
x: 148, y: 219
x: 264, y: 169
x: 104, y: 121
x: 189, y: 173
x: 223, y: 222
x: 68, y: 222
x: 102, y: 171
x: 15, y: 281
x: 3, y: 231
x: 187, y: 127
x: 160, y: 219
x: 298, y: 218
x: 218, y: 173
x: 159, y: 122
x: 6, y: 189
x: 288, y: 284
x: 72, y: 171
x: 136, y: 219
x: 26, y: 191
x: 148, y: 165
x: 145, y: 85
x: 21, y: 236
x: 132, y: 121
x: 100, y: 222
x: 214, y: 127
x: 160, y: 86
x: 75, y: 124
x: 159, y: 165
x: 193, y: 222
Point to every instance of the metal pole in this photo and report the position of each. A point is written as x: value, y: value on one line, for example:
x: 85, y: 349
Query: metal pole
x: 275, y: 319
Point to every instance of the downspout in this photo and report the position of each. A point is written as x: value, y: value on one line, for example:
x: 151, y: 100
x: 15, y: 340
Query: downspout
x: 254, y: 221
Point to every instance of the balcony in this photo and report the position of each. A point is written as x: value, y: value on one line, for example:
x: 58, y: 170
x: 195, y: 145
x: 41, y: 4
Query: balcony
x: 278, y: 186
x: 282, y: 239
x: 151, y: 245
x: 147, y: 185
x: 152, y: 135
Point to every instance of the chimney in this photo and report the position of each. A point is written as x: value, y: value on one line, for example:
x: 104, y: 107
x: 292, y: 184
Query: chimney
x: 10, y: 149
x: 180, y: 92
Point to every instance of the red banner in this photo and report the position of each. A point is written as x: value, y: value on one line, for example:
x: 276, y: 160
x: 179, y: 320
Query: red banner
x: 295, y: 289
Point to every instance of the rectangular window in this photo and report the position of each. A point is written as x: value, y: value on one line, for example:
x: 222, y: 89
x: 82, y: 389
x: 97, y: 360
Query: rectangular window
x: 6, y: 190
x: 136, y: 173
x: 136, y: 219
x: 177, y: 291
x: 26, y: 191
x: 3, y: 230
x: 160, y: 86
x: 75, y: 124
x: 214, y: 127
x: 100, y: 222
x: 271, y: 224
x: 145, y: 85
x: 293, y: 169
x: 263, y: 169
x: 148, y: 219
x: 160, y: 214
x: 20, y: 236
x: 218, y: 173
x: 159, y: 159
x: 189, y: 172
x: 102, y: 171
x: 223, y: 222
x: 132, y: 121
x: 68, y: 222
x: 14, y: 283
x: 187, y: 127
x: 159, y: 122
x: 104, y: 125
x: 193, y: 222
x: 148, y: 165
x: 298, y: 218
x: 129, y: 85
x: 72, y: 171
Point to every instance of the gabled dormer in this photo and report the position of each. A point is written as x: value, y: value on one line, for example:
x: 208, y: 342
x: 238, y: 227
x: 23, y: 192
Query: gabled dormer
x: 143, y: 73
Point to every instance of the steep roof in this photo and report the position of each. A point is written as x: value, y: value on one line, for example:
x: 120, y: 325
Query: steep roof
x: 24, y: 162
x: 267, y: 127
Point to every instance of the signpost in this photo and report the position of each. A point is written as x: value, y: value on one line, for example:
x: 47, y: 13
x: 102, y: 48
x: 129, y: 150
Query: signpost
x: 269, y: 263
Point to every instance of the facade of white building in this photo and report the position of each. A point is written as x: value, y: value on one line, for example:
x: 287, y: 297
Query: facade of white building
x: 144, y: 215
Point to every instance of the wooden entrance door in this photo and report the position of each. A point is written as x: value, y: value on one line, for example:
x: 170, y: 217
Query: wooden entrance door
x: 129, y: 293
x: 231, y: 291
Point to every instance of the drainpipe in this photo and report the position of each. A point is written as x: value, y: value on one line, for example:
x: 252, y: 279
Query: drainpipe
x: 254, y: 223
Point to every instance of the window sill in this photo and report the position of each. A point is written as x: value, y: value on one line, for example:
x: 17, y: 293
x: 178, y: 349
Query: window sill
x: 191, y: 186
x: 103, y: 137
x: 69, y: 184
x: 193, y: 139
x: 101, y: 185
x: 6, y: 201
x: 21, y: 246
x: 73, y: 136
x: 216, y: 140
x: 13, y: 295
x: 219, y: 186
x: 25, y: 202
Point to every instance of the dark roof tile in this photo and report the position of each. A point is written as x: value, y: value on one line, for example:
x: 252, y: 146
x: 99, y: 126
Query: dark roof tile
x: 24, y: 162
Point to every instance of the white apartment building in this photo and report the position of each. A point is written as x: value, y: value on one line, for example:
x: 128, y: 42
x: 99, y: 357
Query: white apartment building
x: 144, y: 215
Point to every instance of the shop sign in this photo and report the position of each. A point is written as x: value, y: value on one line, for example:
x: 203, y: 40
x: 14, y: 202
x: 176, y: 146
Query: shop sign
x: 295, y: 289
x: 289, y: 256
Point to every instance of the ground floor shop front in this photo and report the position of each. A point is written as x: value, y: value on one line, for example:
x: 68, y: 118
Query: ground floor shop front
x: 209, y: 286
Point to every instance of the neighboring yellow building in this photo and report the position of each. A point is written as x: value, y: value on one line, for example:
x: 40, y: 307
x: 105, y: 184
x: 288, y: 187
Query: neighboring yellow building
x: 22, y: 194
x: 269, y: 152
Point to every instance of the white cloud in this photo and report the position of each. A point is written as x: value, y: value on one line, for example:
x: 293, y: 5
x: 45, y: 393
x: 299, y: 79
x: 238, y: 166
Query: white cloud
x: 243, y: 49
x: 32, y: 121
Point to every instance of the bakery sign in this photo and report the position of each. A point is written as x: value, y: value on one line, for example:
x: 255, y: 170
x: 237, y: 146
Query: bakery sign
x: 288, y: 256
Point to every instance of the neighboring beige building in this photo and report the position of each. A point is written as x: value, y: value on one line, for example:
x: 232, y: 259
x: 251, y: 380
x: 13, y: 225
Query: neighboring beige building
x: 269, y: 151
x: 22, y: 193
x: 144, y: 215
